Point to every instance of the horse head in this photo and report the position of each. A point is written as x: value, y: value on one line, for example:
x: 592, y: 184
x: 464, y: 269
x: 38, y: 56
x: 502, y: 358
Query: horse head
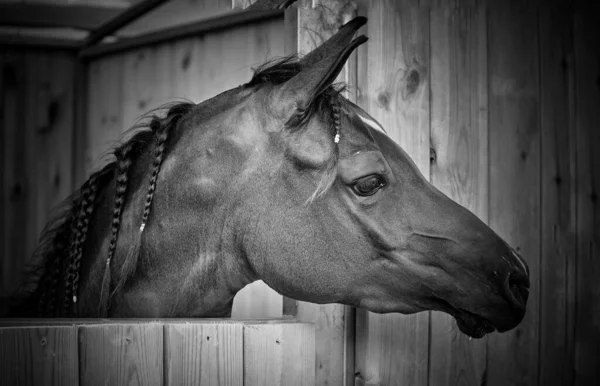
x: 310, y: 195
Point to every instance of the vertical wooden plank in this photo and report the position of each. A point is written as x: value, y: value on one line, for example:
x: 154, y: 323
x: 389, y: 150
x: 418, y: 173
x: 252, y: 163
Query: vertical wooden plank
x: 558, y: 197
x: 204, y: 354
x: 459, y: 136
x: 104, y: 112
x: 121, y: 354
x: 3, y: 138
x: 38, y: 356
x: 53, y: 132
x: 393, y: 86
x: 307, y: 26
x: 279, y: 354
x: 15, y: 197
x: 138, y: 87
x: 515, y: 176
x: 587, y: 316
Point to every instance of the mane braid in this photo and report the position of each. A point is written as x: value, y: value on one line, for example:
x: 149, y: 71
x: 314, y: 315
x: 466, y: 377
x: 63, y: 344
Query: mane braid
x: 123, y: 163
x: 86, y: 211
x: 161, y: 141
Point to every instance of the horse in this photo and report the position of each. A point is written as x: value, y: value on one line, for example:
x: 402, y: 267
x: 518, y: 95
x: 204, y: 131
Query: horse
x: 282, y: 179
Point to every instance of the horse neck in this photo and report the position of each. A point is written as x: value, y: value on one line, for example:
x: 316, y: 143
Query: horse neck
x: 187, y: 263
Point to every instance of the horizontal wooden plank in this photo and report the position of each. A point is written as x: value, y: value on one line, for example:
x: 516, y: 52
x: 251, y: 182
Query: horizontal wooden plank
x: 85, y: 17
x: 39, y: 356
x: 32, y: 322
x: 37, y: 42
x: 132, y: 13
x: 192, y: 29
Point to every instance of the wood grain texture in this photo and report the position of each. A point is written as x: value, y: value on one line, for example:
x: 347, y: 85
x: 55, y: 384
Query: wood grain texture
x: 587, y: 299
x: 558, y: 196
x: 14, y: 200
x: 459, y: 143
x: 104, y: 110
x: 204, y: 354
x: 308, y: 25
x: 37, y: 127
x: 121, y: 354
x: 279, y: 354
x: 393, y: 86
x: 514, y: 213
x: 38, y: 356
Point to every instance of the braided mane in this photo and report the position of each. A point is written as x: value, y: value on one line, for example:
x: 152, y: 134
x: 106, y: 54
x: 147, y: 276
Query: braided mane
x: 60, y: 250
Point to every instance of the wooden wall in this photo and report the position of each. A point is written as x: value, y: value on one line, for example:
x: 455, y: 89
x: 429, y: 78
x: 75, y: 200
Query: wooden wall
x: 495, y: 101
x: 36, y: 131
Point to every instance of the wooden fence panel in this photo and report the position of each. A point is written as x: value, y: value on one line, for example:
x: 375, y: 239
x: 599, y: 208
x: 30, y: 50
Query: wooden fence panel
x: 121, y: 354
x: 205, y: 354
x: 514, y: 162
x: 459, y: 159
x: 558, y: 253
x: 279, y: 354
x: 38, y: 356
x: 393, y: 83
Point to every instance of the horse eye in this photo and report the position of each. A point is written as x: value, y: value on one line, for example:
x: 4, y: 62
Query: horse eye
x: 369, y: 185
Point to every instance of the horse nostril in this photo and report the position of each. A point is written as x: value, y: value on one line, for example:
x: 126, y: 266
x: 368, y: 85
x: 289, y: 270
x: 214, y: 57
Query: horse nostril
x: 517, y: 289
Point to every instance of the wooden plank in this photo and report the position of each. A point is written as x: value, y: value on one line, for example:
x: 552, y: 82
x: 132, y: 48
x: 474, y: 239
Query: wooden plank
x: 307, y: 26
x: 38, y: 356
x: 587, y: 299
x: 137, y: 93
x: 116, y: 354
x: 558, y: 196
x: 44, y: 42
x: 203, y: 354
x: 459, y: 136
x: 14, y: 176
x: 3, y: 138
x: 515, y: 176
x: 169, y: 34
x: 120, y: 20
x: 40, y: 322
x: 104, y: 110
x: 86, y: 17
x: 279, y: 354
x: 53, y: 132
x: 393, y: 85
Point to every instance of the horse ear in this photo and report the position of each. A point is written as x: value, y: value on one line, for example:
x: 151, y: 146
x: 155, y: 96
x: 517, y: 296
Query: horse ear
x: 341, y: 39
x: 297, y: 93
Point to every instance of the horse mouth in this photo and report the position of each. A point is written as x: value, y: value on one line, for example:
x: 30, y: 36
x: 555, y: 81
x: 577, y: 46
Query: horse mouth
x: 472, y: 325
